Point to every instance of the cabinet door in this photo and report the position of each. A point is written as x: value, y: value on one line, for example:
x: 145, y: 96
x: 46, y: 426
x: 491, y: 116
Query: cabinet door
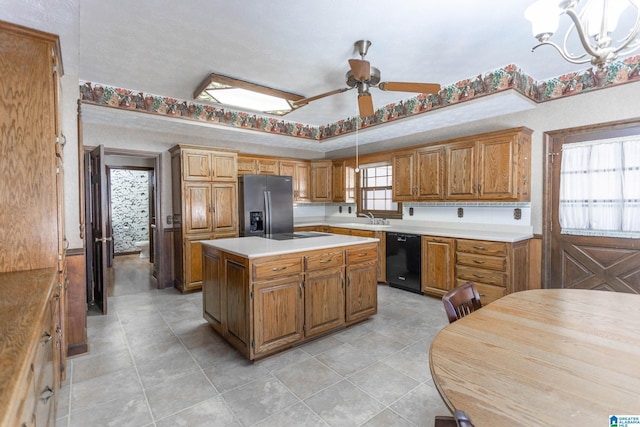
x: 278, y: 313
x: 461, y: 171
x: 362, y: 291
x: 343, y: 182
x: 437, y: 265
x: 321, y: 173
x: 197, y: 208
x: 302, y: 182
x: 268, y: 167
x: 237, y: 328
x: 497, y: 169
x: 225, y: 209
x: 430, y: 174
x: 196, y: 165
x: 192, y: 265
x: 224, y: 166
x: 403, y: 169
x: 246, y: 165
x: 324, y: 300
x: 212, y: 289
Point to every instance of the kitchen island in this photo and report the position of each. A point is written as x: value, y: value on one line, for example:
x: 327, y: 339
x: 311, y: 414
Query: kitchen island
x: 266, y: 295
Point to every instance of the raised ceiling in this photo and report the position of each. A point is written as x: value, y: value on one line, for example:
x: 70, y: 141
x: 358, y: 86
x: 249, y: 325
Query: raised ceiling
x: 167, y: 48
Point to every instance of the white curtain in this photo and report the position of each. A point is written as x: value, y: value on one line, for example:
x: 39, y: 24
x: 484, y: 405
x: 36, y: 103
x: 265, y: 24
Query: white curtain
x: 600, y: 188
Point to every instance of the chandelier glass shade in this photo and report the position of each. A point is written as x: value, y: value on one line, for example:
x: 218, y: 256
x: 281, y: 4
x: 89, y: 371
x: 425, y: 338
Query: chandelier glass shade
x: 595, y: 24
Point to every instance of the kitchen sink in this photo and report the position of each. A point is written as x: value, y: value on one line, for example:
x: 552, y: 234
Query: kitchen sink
x: 362, y: 225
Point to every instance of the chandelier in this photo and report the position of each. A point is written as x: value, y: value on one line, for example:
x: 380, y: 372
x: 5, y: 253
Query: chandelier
x: 594, y: 24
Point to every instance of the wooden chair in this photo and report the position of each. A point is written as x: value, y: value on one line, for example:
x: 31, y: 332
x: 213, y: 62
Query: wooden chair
x: 459, y: 419
x: 461, y: 301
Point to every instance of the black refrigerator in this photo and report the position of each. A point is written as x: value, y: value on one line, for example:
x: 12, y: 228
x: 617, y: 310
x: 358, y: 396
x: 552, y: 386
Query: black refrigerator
x: 265, y: 204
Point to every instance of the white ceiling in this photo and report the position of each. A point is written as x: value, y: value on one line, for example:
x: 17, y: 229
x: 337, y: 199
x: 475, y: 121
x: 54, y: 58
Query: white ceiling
x: 167, y: 47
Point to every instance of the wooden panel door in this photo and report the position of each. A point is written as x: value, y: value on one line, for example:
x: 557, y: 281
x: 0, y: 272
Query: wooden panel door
x: 224, y: 166
x: 212, y: 290
x: 430, y: 174
x: 278, y: 313
x: 362, y: 291
x: 225, y: 209
x: 324, y: 300
x: 438, y: 261
x: 497, y: 169
x: 321, y: 173
x: 461, y: 171
x: 99, y: 232
x: 237, y: 328
x: 302, y: 182
x: 197, y: 208
x: 192, y: 265
x: 403, y: 169
x: 585, y: 262
x: 196, y: 165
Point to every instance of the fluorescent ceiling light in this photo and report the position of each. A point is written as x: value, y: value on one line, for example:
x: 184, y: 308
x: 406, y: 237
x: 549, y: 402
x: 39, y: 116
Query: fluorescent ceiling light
x: 245, y: 95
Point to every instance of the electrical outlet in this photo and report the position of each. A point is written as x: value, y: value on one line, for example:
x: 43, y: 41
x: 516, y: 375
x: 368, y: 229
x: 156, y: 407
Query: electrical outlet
x: 517, y: 213
x: 410, y: 211
x: 460, y: 212
x: 169, y: 219
x: 349, y: 209
x: 339, y: 209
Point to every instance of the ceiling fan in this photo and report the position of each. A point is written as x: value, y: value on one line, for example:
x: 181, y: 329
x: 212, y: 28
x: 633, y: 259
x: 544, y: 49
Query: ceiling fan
x: 363, y: 76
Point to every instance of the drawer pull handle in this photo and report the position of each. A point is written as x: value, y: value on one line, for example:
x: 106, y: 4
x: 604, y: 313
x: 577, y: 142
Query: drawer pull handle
x: 46, y: 337
x: 324, y: 261
x: 477, y: 261
x: 437, y: 240
x: 479, y: 276
x: 480, y: 248
x: 279, y: 268
x: 362, y: 254
x: 46, y: 394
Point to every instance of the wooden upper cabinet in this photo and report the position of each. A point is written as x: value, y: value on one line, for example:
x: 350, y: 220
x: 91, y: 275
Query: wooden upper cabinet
x: 404, y: 181
x: 258, y: 165
x: 225, y: 207
x: 197, y: 208
x: 343, y: 182
x: 430, y: 173
x: 300, y: 171
x: 497, y: 169
x: 203, y: 165
x: 461, y: 171
x: 321, y: 174
x: 418, y: 174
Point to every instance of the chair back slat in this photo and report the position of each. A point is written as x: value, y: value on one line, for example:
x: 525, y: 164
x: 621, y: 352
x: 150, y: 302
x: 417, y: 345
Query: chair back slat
x: 461, y: 301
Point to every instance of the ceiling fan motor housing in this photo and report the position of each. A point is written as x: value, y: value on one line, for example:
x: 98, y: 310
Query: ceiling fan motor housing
x: 373, y: 80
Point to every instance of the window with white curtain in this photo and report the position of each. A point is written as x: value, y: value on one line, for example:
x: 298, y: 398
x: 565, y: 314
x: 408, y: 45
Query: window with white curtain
x: 600, y: 188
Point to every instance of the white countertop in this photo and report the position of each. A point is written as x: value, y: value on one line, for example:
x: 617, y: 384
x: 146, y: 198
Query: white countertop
x: 254, y: 247
x: 456, y: 231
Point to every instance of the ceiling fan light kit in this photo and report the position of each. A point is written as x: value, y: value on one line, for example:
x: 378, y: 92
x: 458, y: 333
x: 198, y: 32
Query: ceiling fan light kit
x: 594, y: 24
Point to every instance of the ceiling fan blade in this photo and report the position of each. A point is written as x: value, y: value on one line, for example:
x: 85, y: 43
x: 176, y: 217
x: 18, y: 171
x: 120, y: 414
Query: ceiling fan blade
x: 305, y: 101
x: 365, y: 104
x: 410, y: 87
x: 360, y: 69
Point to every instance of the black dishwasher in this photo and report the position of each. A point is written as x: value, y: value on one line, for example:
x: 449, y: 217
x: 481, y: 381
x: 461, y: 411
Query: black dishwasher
x: 404, y: 261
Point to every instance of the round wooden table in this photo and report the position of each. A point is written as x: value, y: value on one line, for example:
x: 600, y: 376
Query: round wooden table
x: 545, y: 357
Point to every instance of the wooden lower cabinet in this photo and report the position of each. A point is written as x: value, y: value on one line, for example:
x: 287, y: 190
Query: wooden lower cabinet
x: 496, y: 268
x: 266, y: 304
x: 438, y: 262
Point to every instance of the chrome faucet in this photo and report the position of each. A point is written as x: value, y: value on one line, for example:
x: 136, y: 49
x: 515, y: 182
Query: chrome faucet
x: 368, y: 215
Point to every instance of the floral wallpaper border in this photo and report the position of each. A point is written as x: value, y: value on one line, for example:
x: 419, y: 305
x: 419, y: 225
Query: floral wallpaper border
x: 507, y: 78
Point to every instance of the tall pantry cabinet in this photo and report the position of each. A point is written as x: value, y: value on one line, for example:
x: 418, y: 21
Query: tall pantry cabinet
x: 32, y: 242
x: 205, y: 206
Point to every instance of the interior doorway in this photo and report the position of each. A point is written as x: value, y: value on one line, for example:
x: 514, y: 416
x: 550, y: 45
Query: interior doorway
x: 124, y: 250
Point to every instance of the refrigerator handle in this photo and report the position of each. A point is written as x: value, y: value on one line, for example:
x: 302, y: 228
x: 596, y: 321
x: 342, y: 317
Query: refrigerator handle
x: 267, y: 212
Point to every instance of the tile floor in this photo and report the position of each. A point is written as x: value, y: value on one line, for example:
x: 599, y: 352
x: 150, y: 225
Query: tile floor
x: 154, y: 361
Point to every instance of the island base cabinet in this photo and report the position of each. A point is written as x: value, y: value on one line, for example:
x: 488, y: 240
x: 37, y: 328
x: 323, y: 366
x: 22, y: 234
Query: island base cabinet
x: 263, y: 305
x: 278, y: 314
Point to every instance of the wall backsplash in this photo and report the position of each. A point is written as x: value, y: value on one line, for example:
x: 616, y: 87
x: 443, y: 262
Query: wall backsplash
x: 129, y: 208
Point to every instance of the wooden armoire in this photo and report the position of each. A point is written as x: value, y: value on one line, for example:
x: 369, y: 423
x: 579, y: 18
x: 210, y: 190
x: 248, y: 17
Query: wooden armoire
x: 32, y: 242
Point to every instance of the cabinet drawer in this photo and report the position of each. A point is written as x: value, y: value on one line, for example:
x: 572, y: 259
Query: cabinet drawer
x: 481, y: 275
x: 481, y: 261
x: 276, y: 267
x: 362, y: 254
x: 481, y: 247
x: 324, y: 260
x: 488, y: 293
